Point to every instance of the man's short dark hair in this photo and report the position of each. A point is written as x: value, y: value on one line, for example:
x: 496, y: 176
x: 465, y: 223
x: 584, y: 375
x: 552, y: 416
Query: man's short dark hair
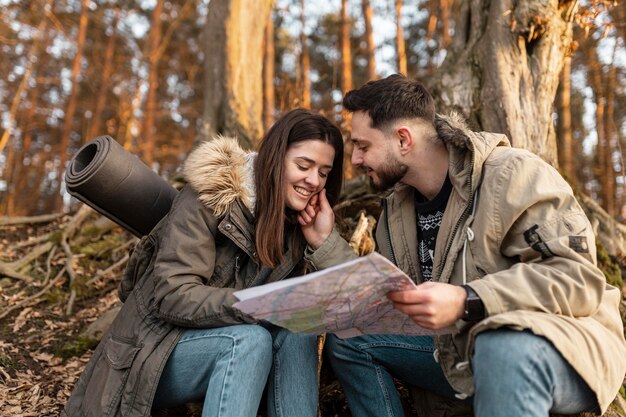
x: 391, y: 98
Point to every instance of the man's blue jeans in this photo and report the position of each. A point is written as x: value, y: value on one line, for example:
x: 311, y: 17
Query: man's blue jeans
x: 228, y: 368
x: 516, y: 374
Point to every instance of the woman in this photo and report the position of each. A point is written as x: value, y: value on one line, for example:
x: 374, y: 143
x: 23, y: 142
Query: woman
x: 178, y: 338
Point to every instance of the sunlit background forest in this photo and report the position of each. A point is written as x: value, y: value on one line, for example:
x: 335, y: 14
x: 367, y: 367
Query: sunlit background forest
x: 160, y: 76
x: 137, y: 70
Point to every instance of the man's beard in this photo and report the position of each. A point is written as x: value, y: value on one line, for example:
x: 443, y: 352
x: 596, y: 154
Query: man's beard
x: 388, y: 175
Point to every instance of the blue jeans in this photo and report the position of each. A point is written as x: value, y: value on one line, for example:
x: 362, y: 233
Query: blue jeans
x: 521, y: 374
x: 228, y: 368
x: 515, y: 374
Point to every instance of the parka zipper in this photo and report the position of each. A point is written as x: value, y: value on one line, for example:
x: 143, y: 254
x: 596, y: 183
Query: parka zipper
x: 462, y: 217
x: 237, y: 268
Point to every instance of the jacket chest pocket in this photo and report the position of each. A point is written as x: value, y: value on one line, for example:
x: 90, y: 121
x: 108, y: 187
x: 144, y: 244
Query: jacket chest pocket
x: 227, y: 269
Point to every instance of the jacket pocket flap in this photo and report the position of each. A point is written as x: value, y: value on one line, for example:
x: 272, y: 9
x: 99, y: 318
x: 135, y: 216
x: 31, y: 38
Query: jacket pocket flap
x: 119, y: 354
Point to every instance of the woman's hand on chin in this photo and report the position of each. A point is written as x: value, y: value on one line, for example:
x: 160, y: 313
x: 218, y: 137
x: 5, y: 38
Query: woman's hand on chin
x: 317, y: 220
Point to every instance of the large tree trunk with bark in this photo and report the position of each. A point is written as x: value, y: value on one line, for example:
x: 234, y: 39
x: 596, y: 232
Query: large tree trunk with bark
x: 502, y: 70
x: 502, y: 74
x: 233, y: 102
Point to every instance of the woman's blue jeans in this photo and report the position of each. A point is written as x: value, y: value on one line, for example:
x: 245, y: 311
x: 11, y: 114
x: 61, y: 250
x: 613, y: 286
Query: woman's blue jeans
x: 516, y: 374
x: 229, y: 367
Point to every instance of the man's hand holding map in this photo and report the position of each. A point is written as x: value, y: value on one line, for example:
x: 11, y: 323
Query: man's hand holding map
x: 348, y: 300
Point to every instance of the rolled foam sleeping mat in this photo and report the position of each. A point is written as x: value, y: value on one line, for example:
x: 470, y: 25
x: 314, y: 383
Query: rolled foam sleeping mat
x: 117, y: 184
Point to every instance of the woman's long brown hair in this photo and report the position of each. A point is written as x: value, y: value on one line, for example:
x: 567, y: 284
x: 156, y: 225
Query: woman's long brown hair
x: 271, y: 217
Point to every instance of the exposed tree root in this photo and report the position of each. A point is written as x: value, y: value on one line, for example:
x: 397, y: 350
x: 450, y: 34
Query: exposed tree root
x: 35, y: 298
x: 57, y: 247
x: 46, y: 218
x: 11, y: 269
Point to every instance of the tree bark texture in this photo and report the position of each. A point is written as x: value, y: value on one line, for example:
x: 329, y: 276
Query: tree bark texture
x: 502, y: 70
x: 233, y: 69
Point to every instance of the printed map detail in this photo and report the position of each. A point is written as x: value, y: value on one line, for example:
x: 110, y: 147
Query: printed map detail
x: 348, y: 300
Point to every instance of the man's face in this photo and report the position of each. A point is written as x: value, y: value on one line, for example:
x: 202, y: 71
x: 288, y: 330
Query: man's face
x: 373, y: 152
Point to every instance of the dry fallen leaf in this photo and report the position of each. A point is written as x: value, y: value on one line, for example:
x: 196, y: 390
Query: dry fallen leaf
x: 21, y: 319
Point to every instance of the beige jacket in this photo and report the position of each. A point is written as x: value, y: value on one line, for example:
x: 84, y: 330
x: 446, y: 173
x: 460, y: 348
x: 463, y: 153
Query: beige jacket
x: 514, y: 231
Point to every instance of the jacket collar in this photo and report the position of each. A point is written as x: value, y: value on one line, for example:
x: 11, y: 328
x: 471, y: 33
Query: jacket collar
x: 468, y: 151
x: 221, y: 172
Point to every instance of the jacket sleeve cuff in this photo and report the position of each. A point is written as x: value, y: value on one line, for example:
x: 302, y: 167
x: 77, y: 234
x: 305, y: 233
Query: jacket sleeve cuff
x: 490, y: 300
x: 333, y: 251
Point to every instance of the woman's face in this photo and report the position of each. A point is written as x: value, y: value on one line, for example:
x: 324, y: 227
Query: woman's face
x: 307, y: 165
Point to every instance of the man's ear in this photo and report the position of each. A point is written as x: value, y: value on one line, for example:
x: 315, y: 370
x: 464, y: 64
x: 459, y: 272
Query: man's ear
x: 405, y: 135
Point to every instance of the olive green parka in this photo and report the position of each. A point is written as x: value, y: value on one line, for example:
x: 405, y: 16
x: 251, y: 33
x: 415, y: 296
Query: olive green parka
x: 182, y: 275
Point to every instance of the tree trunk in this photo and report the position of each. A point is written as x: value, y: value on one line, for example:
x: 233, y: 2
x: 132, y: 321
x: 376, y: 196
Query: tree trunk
x: 70, y: 110
x: 346, y: 54
x: 233, y: 69
x: 17, y: 181
x: 148, y: 138
x: 564, y: 136
x: 445, y: 6
x: 8, y: 175
x: 608, y: 180
x: 503, y: 67
x: 400, y: 46
x: 306, y: 64
x: 269, y: 54
x: 595, y: 75
x: 433, y: 13
x: 346, y: 83
x: 101, y: 96
x: 33, y: 53
x: 370, y: 52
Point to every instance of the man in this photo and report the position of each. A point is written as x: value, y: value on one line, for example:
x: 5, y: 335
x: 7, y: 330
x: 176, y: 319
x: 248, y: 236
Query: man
x: 500, y: 249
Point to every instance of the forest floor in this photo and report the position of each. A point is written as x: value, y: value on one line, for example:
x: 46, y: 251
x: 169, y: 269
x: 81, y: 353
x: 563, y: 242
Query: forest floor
x: 40, y: 359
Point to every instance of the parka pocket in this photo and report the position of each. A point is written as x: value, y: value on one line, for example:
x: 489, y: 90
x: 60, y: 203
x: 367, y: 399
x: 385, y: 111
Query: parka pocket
x: 108, y: 379
x: 119, y: 354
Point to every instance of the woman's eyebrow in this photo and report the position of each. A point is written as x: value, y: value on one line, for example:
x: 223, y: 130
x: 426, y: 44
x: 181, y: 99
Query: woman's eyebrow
x: 312, y: 161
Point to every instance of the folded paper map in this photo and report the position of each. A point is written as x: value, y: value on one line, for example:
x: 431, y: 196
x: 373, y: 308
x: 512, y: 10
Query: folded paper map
x: 348, y: 299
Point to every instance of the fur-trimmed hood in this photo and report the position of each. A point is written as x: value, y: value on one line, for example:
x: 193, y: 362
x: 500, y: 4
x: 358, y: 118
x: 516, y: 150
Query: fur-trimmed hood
x: 453, y: 130
x: 221, y: 172
x: 468, y: 150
